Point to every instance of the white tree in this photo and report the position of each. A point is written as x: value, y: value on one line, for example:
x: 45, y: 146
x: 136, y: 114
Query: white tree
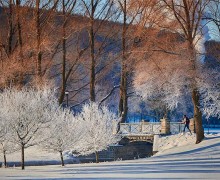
x: 5, y: 146
x: 64, y: 132
x: 28, y: 112
x: 166, y: 79
x: 99, y: 127
x: 210, y: 92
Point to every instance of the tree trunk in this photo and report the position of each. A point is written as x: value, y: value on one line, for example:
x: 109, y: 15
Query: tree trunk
x: 22, y: 157
x: 121, y: 97
x: 11, y: 31
x: 96, y: 157
x: 195, y: 94
x: 123, y: 100
x: 38, y: 48
x: 92, y: 53
x: 63, y: 88
x: 18, y: 2
x: 5, y: 161
x: 197, y: 117
x: 20, y: 42
x: 61, y: 157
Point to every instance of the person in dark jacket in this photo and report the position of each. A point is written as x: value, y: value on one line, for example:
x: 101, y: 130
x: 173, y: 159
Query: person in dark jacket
x: 186, y: 121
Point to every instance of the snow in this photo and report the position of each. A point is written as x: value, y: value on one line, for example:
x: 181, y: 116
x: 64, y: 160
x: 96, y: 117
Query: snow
x: 178, y: 140
x: 36, y: 155
x: 185, y: 160
x: 211, y: 130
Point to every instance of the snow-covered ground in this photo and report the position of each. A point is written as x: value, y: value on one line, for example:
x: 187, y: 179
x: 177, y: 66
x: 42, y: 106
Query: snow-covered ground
x: 212, y: 130
x: 37, y: 156
x: 179, y: 158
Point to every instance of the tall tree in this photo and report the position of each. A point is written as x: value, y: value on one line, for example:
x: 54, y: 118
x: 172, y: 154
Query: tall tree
x: 67, y: 7
x: 100, y: 11
x: 188, y: 14
x: 123, y: 99
x: 130, y: 10
x: 43, y: 13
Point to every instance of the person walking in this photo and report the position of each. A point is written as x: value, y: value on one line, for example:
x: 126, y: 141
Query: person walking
x: 186, y: 121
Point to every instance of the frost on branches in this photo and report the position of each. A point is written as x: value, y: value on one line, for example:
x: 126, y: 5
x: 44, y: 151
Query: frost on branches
x: 28, y: 113
x: 166, y: 80
x: 6, y: 146
x: 99, y: 124
x: 210, y: 93
x: 64, y: 132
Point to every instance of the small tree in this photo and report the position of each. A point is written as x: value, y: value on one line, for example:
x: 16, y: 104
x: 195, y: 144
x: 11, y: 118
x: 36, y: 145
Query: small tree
x: 27, y: 112
x: 4, y: 144
x: 6, y: 147
x: 63, y: 133
x: 98, y: 126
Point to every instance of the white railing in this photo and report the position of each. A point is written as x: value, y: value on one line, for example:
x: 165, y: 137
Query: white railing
x: 176, y: 127
x: 149, y: 128
x: 140, y: 128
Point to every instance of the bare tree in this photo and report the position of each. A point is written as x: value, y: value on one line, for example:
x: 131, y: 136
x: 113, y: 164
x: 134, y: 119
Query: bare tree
x: 72, y: 50
x: 96, y: 9
x: 12, y: 46
x: 129, y: 14
x: 67, y: 8
x: 42, y: 14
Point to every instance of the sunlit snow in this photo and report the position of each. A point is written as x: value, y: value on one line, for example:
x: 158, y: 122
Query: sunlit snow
x: 180, y: 160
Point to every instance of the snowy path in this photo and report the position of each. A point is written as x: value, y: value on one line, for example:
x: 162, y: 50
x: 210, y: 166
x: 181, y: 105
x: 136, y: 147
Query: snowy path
x: 184, y: 162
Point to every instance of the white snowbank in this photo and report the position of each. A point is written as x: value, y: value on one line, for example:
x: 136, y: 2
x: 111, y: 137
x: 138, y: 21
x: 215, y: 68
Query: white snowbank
x: 184, y: 144
x: 178, y: 140
x: 168, y: 142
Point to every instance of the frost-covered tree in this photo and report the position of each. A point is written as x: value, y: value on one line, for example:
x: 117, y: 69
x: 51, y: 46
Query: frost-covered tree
x: 181, y: 75
x: 188, y: 15
x: 99, y: 127
x: 64, y: 133
x: 166, y: 78
x: 210, y: 92
x: 28, y: 112
x: 6, y: 147
x: 4, y: 144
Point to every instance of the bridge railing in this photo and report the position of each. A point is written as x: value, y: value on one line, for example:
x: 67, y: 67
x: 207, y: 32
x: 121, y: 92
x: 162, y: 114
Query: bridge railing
x: 176, y: 127
x: 140, y: 128
x: 153, y: 128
